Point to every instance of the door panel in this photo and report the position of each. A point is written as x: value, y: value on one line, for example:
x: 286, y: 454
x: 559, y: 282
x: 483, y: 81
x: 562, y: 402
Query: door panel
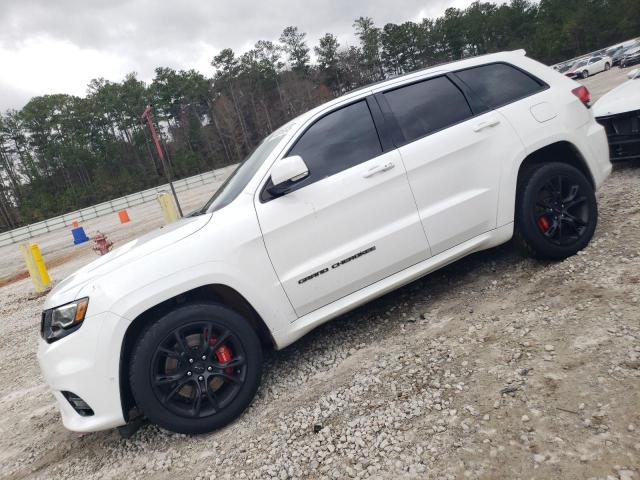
x: 455, y: 177
x: 452, y: 158
x: 455, y: 168
x: 343, y: 232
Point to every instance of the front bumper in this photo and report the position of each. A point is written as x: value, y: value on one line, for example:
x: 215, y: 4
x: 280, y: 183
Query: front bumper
x: 86, y: 363
x: 623, y: 134
x: 591, y: 141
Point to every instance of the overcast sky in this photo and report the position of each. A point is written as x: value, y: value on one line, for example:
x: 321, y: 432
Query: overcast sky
x: 58, y: 46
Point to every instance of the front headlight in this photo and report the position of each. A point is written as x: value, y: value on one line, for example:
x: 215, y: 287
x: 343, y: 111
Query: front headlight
x: 61, y: 321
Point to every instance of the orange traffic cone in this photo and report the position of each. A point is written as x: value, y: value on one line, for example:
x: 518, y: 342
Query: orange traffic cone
x: 124, y: 216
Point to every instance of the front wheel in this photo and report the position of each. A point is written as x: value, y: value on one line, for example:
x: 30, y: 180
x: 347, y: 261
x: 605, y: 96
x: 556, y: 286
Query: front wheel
x: 585, y: 74
x: 196, y: 369
x: 556, y: 211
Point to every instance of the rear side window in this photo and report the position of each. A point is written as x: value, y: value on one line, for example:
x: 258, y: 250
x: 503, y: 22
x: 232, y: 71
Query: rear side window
x: 428, y: 106
x: 338, y: 141
x: 498, y: 84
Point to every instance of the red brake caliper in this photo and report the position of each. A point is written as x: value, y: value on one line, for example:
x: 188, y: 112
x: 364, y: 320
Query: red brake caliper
x: 543, y: 224
x: 223, y: 354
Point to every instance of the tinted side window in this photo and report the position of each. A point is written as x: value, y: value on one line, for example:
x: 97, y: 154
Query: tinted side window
x: 340, y: 140
x: 498, y: 84
x: 428, y: 106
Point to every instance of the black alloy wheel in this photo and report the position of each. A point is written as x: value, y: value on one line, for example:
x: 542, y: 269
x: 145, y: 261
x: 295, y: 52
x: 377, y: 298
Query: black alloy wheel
x: 561, y: 211
x: 196, y: 368
x: 556, y: 211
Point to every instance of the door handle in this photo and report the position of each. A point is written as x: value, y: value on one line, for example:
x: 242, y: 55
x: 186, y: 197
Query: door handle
x: 488, y: 124
x: 377, y: 169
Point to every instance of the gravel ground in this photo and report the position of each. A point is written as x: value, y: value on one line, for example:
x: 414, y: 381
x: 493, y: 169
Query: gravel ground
x: 494, y: 367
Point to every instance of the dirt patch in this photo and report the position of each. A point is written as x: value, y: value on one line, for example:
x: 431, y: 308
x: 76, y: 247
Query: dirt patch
x: 54, y: 262
x: 8, y: 280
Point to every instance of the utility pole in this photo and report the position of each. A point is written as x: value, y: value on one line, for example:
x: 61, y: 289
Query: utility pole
x: 148, y: 117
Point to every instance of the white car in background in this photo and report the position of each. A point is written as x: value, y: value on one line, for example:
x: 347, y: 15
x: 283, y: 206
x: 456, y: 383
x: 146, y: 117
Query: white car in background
x: 587, y: 67
x: 619, y: 112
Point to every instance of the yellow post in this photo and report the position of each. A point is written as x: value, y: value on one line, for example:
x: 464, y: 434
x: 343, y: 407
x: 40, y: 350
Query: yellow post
x: 35, y: 266
x: 168, y: 207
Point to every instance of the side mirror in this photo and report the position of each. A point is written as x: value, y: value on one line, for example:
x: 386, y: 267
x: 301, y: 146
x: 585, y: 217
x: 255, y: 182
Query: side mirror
x: 285, y: 172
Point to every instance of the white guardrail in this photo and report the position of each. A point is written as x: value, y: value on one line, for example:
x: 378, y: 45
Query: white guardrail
x: 104, y: 208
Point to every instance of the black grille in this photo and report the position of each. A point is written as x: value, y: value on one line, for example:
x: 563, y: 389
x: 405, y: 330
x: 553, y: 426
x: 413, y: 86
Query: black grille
x: 627, y: 123
x: 78, y: 404
x: 623, y: 134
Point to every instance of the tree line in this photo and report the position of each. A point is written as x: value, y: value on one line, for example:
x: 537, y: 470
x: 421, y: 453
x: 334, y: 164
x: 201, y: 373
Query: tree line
x: 62, y: 152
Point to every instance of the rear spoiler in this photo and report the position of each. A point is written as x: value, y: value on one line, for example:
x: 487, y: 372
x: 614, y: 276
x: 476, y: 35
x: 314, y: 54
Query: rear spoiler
x: 522, y: 52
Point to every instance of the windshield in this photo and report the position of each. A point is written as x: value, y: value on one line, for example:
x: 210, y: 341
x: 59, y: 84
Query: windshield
x: 239, y: 179
x: 580, y: 64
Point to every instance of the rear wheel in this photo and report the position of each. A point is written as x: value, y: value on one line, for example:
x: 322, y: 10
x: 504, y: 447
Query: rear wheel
x: 196, y: 369
x: 607, y: 66
x: 556, y: 211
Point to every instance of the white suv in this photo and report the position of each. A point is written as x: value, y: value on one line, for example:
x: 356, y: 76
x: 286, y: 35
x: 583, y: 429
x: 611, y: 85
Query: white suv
x: 343, y: 204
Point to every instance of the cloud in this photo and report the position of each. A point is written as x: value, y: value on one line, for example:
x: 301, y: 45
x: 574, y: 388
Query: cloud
x: 58, y: 47
x: 12, y: 97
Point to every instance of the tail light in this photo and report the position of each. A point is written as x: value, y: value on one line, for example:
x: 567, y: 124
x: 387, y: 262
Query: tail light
x: 583, y: 94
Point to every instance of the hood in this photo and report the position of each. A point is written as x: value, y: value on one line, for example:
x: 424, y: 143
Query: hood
x: 67, y: 290
x: 624, y: 98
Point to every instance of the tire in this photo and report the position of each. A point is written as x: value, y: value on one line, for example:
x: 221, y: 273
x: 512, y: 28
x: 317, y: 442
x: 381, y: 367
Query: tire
x: 584, y: 74
x: 542, y: 213
x: 196, y: 369
x: 607, y: 67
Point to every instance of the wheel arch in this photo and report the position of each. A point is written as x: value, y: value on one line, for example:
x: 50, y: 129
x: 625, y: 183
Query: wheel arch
x: 217, y: 292
x: 561, y: 151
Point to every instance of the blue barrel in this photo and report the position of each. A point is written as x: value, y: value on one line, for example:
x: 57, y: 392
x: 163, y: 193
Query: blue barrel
x: 79, y: 236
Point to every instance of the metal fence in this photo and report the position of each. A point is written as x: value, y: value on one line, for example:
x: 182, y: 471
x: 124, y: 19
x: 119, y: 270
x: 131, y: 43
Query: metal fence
x: 104, y: 208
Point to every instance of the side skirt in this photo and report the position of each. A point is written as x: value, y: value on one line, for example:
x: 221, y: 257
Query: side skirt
x: 308, y: 322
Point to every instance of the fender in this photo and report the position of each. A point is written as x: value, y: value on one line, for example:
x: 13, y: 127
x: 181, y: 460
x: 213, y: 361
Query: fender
x: 268, y: 300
